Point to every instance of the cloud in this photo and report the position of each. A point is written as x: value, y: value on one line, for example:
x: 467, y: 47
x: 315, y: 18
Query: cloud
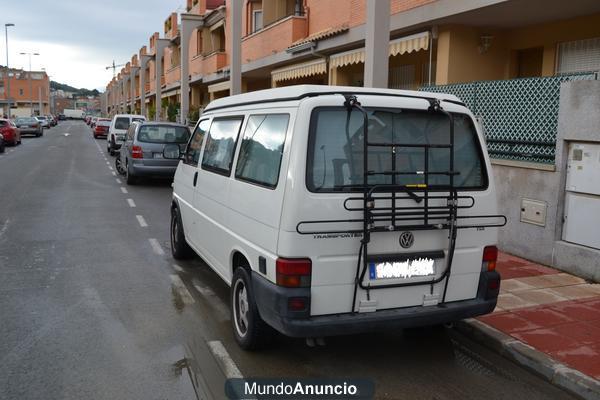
x: 77, y: 40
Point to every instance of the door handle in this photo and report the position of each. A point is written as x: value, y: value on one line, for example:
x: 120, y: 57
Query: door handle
x: 195, y: 177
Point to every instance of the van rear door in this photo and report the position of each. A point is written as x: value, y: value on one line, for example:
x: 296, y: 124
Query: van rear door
x: 403, y: 256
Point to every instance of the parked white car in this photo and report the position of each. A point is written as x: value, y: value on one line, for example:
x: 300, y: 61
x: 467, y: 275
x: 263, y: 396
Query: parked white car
x: 318, y: 237
x: 117, y: 130
x: 43, y: 120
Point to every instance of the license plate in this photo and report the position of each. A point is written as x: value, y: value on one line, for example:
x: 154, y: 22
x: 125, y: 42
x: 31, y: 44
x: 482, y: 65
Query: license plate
x: 411, y: 268
x: 157, y: 155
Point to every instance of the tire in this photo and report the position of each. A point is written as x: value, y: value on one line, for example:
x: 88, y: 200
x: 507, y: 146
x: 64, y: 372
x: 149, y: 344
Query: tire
x: 129, y: 177
x: 249, y: 329
x: 180, y: 250
x: 119, y: 165
x: 1, y: 147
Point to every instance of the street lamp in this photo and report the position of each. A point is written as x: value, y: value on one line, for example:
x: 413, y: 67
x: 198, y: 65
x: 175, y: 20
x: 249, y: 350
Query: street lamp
x: 30, y: 86
x: 7, y: 68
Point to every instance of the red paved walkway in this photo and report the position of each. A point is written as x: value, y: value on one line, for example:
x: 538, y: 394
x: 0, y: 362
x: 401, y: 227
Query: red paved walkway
x: 554, y: 312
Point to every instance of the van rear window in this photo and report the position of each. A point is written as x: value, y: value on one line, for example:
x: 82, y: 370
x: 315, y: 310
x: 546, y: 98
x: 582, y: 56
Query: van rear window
x: 122, y: 123
x: 335, y: 154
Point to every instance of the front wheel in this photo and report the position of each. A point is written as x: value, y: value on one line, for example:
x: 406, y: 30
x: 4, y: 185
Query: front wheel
x: 249, y: 329
x: 179, y: 247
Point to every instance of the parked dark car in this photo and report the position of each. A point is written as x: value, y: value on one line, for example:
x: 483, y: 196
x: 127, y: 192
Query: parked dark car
x: 29, y: 126
x: 11, y: 134
x: 101, y: 127
x: 62, y: 117
x: 142, y: 150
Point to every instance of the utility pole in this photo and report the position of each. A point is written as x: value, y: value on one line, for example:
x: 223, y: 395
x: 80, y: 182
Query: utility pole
x: 30, y: 81
x: 7, y: 68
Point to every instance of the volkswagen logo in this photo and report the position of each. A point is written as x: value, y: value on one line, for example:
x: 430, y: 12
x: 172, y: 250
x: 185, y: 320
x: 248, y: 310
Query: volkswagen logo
x: 406, y: 239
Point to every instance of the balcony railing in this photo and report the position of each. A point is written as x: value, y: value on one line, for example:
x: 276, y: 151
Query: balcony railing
x: 519, y: 116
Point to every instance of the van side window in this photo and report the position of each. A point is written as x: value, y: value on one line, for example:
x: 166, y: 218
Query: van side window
x: 192, y: 153
x: 220, y: 144
x: 261, y: 150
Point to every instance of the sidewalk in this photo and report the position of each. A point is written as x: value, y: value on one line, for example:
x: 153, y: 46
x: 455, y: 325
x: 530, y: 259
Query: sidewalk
x: 554, y: 313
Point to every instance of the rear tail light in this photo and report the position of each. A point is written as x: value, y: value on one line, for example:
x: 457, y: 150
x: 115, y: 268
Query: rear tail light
x: 293, y: 272
x: 490, y: 256
x: 136, y: 152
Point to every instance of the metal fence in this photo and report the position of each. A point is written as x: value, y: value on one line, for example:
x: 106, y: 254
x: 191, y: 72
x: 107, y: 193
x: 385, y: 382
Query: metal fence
x: 519, y: 116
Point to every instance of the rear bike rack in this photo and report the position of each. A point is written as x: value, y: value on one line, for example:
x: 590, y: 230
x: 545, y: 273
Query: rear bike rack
x: 394, y: 218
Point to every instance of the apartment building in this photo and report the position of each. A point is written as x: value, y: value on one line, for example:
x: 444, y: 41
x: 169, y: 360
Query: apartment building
x: 29, y: 92
x: 523, y: 66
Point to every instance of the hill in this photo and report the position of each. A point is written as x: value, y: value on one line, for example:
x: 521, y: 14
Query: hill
x: 77, y: 92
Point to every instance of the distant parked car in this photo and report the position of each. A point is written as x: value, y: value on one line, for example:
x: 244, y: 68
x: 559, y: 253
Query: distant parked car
x: 118, y: 127
x: 93, y: 122
x: 45, y: 123
x: 51, y: 120
x: 30, y: 126
x: 9, y: 131
x: 62, y: 117
x: 101, y: 127
x: 1, y: 143
x: 142, y: 151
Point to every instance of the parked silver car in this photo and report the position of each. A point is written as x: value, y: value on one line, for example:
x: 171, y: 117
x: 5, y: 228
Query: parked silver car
x: 29, y: 126
x: 44, y: 121
x: 141, y: 153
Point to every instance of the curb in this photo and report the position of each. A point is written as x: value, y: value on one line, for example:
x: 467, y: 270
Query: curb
x: 560, y: 375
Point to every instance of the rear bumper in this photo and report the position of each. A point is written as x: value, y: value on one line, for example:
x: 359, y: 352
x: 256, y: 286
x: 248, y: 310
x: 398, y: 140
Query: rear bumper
x: 29, y: 131
x: 145, y: 170
x: 272, y: 303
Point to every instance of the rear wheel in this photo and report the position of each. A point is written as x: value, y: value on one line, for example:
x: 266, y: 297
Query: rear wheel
x: 249, y: 329
x: 119, y: 165
x: 179, y: 247
x: 129, y: 177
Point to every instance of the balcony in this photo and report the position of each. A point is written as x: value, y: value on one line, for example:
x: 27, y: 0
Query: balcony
x: 274, y: 38
x: 214, y: 62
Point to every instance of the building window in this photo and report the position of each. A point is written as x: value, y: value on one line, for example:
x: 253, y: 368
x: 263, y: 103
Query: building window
x: 21, y: 92
x: 257, y: 20
x: 199, y: 41
x: 579, y: 56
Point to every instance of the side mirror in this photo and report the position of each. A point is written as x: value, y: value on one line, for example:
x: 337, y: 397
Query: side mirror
x: 172, y: 152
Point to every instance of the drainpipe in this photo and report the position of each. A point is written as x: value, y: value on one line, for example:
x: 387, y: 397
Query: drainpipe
x: 432, y: 35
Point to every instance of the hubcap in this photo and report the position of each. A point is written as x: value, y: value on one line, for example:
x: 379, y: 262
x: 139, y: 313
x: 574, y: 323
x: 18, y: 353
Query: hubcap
x: 240, y: 308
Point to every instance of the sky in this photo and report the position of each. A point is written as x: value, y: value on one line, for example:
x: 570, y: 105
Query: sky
x: 77, y: 39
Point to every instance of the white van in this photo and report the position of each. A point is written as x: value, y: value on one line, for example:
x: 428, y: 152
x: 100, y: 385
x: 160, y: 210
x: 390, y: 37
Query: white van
x: 117, y: 130
x: 318, y: 237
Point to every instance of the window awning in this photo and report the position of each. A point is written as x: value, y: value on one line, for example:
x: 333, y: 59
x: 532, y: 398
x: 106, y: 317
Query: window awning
x: 310, y: 68
x: 219, y: 87
x: 407, y: 44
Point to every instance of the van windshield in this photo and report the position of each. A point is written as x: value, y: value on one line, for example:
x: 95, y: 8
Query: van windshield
x: 163, y: 134
x: 335, y: 154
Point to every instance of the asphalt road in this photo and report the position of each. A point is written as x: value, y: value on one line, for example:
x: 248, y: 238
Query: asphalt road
x: 92, y: 305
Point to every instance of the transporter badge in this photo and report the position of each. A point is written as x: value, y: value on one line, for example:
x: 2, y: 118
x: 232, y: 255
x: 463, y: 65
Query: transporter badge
x: 406, y: 239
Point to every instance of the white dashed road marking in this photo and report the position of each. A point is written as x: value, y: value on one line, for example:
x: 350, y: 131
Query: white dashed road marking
x: 180, y: 288
x: 177, y: 268
x: 225, y: 361
x: 131, y: 202
x: 141, y: 221
x: 124, y: 190
x: 114, y: 173
x: 118, y: 180
x: 156, y: 247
